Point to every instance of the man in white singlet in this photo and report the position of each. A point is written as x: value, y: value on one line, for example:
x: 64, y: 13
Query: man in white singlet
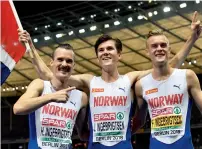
x: 167, y: 91
x: 52, y: 105
x: 110, y: 98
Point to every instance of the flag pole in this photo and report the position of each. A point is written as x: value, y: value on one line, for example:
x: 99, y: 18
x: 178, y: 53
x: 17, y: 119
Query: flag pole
x: 20, y: 26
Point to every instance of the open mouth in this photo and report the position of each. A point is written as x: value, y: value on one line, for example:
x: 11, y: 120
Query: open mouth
x: 106, y: 58
x: 159, y: 55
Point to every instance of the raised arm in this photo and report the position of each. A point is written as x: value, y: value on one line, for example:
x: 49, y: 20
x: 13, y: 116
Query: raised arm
x: 79, y: 81
x: 40, y: 66
x: 194, y: 88
x: 180, y: 57
x: 32, y: 99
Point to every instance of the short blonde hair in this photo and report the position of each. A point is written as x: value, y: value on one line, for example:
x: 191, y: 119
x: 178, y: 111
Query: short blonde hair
x: 154, y: 33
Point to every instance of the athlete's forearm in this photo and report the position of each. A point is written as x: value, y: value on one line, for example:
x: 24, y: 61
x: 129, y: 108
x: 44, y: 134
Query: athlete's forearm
x: 43, y: 71
x: 180, y: 57
x: 26, y: 106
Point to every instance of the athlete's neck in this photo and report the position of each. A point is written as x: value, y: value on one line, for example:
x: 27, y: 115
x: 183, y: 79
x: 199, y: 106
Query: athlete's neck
x: 59, y: 84
x: 161, y: 72
x: 110, y: 74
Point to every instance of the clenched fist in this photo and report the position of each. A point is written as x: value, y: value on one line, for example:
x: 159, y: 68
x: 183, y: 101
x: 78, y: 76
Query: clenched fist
x: 24, y: 37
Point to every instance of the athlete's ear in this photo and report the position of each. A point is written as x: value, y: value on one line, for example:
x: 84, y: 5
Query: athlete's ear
x: 119, y: 54
x: 74, y: 64
x: 51, y: 62
x: 98, y: 60
x: 169, y: 55
x: 169, y: 48
x: 147, y: 51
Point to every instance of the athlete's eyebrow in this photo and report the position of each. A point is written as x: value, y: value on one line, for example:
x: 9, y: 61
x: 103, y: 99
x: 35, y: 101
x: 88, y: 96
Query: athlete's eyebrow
x: 110, y: 47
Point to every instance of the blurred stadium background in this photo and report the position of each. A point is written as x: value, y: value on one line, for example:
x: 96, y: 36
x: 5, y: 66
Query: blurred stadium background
x: 80, y: 24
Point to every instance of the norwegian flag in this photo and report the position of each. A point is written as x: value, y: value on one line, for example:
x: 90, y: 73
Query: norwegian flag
x: 11, y: 49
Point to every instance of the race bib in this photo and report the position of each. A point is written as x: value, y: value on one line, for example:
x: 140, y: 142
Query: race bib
x: 54, y: 126
x: 109, y: 127
x: 167, y: 125
x: 55, y: 133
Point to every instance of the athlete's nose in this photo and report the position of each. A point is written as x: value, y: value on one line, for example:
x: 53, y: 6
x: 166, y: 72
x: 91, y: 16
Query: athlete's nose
x: 64, y: 63
x: 159, y: 47
x: 106, y: 52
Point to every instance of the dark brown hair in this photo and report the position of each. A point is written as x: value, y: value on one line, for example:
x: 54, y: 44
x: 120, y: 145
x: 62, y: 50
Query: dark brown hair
x: 64, y: 46
x: 105, y: 38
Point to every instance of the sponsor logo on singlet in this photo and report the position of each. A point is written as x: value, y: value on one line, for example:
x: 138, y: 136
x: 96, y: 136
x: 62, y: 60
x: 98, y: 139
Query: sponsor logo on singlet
x: 109, y: 126
x: 59, y: 111
x: 154, y: 90
x: 94, y: 90
x: 160, y: 101
x: 110, y: 101
x: 167, y: 117
x: 56, y: 126
x: 110, y: 107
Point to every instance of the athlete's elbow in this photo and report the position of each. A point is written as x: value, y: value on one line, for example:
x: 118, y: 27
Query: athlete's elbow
x: 18, y: 109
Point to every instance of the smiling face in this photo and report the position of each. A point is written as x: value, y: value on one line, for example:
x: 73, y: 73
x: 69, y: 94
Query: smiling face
x: 62, y: 63
x: 107, y: 53
x: 158, y: 49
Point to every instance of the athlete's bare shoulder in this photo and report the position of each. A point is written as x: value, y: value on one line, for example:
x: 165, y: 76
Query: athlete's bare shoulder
x: 81, y: 80
x: 134, y: 76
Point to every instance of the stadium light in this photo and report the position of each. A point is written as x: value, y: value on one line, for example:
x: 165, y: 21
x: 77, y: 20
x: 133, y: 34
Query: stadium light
x: 130, y: 19
x: 82, y: 31
x: 183, y: 5
x: 92, y: 28
x: 106, y: 25
x: 35, y: 40
x: 116, y: 23
x: 166, y: 9
x: 46, y: 37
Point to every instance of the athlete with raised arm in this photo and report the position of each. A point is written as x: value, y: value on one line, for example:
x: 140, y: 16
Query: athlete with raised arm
x: 166, y: 92
x: 110, y: 94
x: 52, y: 105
